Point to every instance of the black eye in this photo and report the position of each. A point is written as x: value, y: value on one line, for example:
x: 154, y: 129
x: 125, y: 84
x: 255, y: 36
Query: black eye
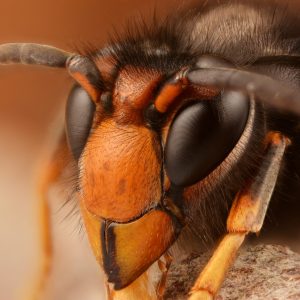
x: 202, y: 135
x: 79, y: 117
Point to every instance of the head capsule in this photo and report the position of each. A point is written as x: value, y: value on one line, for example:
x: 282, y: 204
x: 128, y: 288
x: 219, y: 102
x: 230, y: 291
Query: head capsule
x: 159, y: 136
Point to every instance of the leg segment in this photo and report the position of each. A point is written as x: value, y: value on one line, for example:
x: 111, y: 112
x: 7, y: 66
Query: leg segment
x: 246, y: 215
x: 164, y: 267
x: 145, y: 287
x: 138, y: 289
x: 51, y: 172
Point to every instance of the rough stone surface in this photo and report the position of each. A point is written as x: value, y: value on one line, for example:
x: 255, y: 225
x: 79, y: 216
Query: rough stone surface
x: 260, y: 272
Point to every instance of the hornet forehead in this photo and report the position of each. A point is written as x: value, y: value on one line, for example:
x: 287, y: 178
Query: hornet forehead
x: 135, y: 87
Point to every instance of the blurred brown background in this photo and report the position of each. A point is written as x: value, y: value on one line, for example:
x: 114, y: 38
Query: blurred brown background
x: 30, y: 99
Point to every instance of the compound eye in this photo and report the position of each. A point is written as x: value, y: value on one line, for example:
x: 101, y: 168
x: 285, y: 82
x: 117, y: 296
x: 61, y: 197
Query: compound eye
x: 79, y: 117
x: 202, y: 134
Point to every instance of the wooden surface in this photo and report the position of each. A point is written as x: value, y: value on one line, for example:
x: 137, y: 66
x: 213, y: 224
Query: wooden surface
x: 260, y: 272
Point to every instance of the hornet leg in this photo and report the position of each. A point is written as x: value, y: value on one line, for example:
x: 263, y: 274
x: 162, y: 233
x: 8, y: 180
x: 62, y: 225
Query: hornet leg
x: 247, y: 214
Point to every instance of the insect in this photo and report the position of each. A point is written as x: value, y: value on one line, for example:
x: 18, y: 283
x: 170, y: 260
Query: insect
x: 178, y: 129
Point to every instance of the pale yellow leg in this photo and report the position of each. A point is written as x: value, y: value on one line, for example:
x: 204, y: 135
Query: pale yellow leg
x: 109, y: 293
x: 164, y: 267
x: 246, y: 215
x: 51, y: 173
x: 143, y: 288
x: 140, y: 289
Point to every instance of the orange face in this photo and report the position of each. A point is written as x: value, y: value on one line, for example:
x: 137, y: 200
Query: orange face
x: 122, y: 185
x: 127, y: 206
